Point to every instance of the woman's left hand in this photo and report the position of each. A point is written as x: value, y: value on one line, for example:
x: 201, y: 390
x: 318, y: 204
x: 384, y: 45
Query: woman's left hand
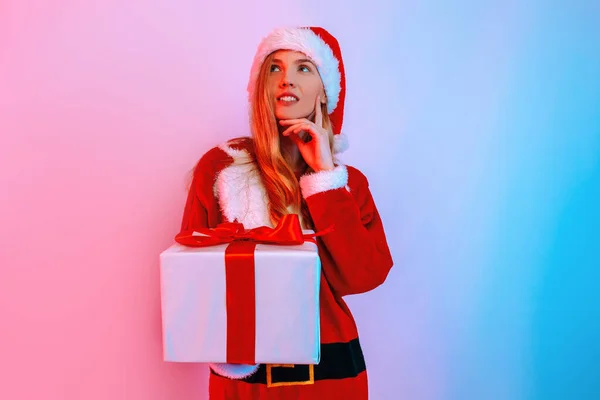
x: 316, y: 152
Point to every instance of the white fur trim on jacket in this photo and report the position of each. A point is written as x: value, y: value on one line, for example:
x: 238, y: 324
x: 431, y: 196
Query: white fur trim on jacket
x: 234, y: 371
x: 323, y: 181
x: 305, y: 41
x: 240, y: 191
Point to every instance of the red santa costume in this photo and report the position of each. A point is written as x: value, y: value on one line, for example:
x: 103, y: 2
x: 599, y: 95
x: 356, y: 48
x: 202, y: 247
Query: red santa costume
x: 355, y: 257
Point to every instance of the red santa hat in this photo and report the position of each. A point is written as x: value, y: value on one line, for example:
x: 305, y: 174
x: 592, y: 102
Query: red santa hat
x: 324, y: 50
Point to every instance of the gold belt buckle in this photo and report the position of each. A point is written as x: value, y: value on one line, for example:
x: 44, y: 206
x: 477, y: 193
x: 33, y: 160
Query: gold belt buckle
x: 310, y: 381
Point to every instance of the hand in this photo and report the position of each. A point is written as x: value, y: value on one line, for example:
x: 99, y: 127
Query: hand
x: 316, y: 151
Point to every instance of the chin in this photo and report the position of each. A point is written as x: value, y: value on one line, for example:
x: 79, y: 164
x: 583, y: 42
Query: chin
x: 289, y: 114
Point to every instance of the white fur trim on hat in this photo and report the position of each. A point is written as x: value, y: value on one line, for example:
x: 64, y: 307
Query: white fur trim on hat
x: 323, y: 181
x: 340, y: 142
x: 305, y: 41
x: 234, y: 371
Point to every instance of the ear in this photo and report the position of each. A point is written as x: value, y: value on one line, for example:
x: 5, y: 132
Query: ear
x: 323, y: 97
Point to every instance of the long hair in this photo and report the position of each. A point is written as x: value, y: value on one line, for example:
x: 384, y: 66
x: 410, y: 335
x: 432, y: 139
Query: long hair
x: 277, y: 174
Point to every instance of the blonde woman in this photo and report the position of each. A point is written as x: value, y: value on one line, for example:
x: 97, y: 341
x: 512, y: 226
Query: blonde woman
x: 288, y: 165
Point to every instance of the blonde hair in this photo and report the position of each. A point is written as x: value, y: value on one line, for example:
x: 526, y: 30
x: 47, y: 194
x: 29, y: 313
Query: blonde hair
x: 281, y: 184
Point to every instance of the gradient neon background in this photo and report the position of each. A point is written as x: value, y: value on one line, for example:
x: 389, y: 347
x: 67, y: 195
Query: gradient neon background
x: 477, y: 124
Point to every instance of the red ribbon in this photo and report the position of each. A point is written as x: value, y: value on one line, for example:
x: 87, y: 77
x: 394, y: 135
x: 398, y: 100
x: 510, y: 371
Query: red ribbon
x: 239, y: 273
x: 287, y: 232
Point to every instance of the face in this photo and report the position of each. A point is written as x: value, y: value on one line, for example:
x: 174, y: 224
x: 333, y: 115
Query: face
x: 294, y: 84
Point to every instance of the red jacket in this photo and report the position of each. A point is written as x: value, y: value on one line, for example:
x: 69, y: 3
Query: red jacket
x: 355, y: 257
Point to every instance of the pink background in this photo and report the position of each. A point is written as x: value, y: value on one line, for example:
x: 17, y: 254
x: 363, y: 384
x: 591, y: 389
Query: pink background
x: 105, y: 107
x: 476, y: 124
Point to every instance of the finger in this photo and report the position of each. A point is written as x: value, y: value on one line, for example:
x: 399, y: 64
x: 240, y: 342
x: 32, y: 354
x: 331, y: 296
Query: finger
x: 302, y: 126
x: 290, y: 129
x: 318, y: 113
x: 309, y: 128
x: 312, y: 133
x: 293, y: 121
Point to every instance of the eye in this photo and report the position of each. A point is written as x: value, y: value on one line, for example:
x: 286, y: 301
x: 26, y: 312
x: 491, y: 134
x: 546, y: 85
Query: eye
x: 274, y: 68
x: 304, y: 68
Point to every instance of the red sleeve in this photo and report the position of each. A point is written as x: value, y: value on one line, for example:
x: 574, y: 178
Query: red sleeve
x: 358, y: 245
x: 200, y: 195
x: 194, y: 213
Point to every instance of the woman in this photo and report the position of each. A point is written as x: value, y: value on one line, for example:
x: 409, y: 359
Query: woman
x: 296, y: 93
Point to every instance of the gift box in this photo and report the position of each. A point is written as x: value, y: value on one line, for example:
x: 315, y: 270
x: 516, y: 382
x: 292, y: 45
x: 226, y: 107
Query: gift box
x: 242, y: 301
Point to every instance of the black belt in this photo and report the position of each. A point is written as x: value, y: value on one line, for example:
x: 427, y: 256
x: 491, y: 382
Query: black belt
x: 338, y: 361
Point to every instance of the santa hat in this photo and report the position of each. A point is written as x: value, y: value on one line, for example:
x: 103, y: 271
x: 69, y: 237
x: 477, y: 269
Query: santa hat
x: 324, y: 50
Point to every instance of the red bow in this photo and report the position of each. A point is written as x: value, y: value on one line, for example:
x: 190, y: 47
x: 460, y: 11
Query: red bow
x: 287, y: 232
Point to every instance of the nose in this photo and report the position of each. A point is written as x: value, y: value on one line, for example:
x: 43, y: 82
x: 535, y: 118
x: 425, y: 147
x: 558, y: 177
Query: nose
x: 287, y: 81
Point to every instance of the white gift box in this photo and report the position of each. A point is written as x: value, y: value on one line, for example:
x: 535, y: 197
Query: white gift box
x: 194, y: 311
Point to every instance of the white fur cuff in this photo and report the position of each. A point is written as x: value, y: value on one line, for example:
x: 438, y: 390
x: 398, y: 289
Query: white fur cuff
x: 323, y: 181
x: 234, y: 371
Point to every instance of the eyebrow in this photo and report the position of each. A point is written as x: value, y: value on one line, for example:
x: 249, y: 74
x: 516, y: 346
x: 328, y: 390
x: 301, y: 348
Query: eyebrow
x: 299, y: 61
